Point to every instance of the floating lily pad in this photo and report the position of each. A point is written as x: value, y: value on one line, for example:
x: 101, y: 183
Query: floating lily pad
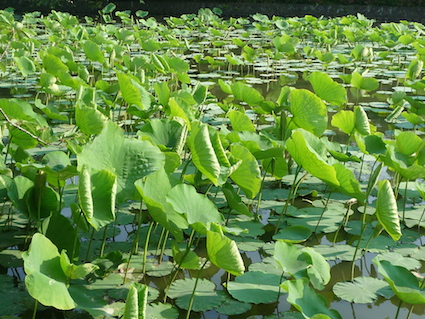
x: 363, y: 290
x: 398, y: 260
x: 231, y: 306
x: 161, y: 311
x: 11, y: 258
x: 255, y: 287
x: 338, y: 252
x: 267, y: 265
x: 14, y: 299
x: 206, y: 297
x: 293, y: 234
x: 159, y: 270
x: 247, y: 243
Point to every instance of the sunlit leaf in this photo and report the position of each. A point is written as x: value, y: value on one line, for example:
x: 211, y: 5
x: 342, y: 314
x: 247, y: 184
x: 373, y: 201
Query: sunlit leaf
x: 205, y: 298
x: 203, y: 155
x: 387, y: 211
x: 247, y: 175
x: 327, y: 89
x: 45, y: 279
x: 224, y: 253
x: 362, y: 290
x: 306, y: 300
x: 309, y: 111
x: 197, y: 208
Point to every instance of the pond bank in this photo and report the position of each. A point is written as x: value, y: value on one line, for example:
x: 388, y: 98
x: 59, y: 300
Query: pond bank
x: 173, y: 8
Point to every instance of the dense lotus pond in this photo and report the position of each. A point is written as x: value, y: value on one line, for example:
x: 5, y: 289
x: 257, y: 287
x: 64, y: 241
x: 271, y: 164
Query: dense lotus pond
x: 203, y: 167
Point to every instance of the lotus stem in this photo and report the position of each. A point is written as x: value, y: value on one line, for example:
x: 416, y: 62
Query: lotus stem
x: 398, y: 309
x: 34, y: 312
x: 145, y: 250
x: 90, y: 243
x: 323, y: 212
x: 405, y: 199
x: 410, y: 311
x: 285, y: 208
x: 342, y: 223
x: 178, y: 267
x: 21, y: 128
x: 102, y: 248
x: 163, y: 246
x: 192, y: 297
x: 359, y: 241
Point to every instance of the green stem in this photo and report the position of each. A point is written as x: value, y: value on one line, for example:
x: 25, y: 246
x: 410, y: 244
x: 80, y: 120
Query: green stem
x: 323, y: 212
x: 398, y: 309
x: 76, y: 236
x: 178, y: 267
x: 404, y: 199
x: 342, y: 223
x: 102, y: 248
x: 410, y: 311
x: 161, y: 238
x: 145, y: 250
x: 192, y: 297
x: 285, y: 208
x: 89, y: 247
x: 34, y: 312
x: 163, y: 246
x: 359, y: 241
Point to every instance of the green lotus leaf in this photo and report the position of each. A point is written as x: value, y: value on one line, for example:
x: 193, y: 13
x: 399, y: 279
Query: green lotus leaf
x: 186, y: 259
x: 408, y: 142
x: 414, y: 69
x: 205, y: 297
x: 267, y: 265
x: 306, y: 300
x: 338, y: 252
x: 327, y: 89
x: 247, y: 175
x: 155, y: 269
x: 362, y: 290
x: 129, y: 159
x: 161, y: 311
x: 203, y: 154
x: 309, y: 111
x: 387, y: 211
x: 302, y: 148
x: 133, y: 93
x: 164, y: 132
x: 293, y: 234
x: 97, y: 196
x: 240, y: 122
x: 345, y: 121
x: 136, y: 301
x: 93, y: 51
x: 230, y: 306
x: 154, y: 190
x: 45, y: 278
x: 399, y: 260
x: 25, y: 65
x: 405, y: 284
x: 246, y: 94
x: 89, y: 120
x: 54, y: 227
x: 255, y: 287
x: 224, y: 253
x: 348, y: 183
x: 53, y: 65
x: 364, y: 83
x: 14, y: 297
x: 197, y: 208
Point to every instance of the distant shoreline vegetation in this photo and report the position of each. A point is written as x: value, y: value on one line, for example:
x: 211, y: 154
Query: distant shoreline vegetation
x: 58, y: 4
